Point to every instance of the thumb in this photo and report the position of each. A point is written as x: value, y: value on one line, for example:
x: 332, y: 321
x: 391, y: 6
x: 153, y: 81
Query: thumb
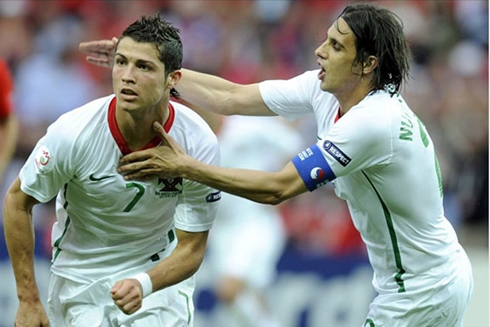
x: 158, y: 128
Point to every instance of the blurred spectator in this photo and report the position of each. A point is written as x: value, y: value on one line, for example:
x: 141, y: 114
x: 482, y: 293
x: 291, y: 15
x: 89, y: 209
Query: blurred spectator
x: 53, y: 78
x: 8, y: 119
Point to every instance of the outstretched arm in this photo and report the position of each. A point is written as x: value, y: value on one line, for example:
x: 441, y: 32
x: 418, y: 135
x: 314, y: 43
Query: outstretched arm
x: 206, y: 91
x: 169, y: 160
x: 221, y: 96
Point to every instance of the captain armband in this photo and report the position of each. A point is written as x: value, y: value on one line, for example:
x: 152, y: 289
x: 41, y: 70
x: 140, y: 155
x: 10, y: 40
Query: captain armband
x: 313, y: 168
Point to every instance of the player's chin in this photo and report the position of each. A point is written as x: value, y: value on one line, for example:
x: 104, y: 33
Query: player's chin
x: 324, y: 87
x: 128, y: 105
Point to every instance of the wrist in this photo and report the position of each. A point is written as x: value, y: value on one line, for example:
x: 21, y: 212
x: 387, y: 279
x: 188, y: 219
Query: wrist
x: 29, y: 298
x: 145, y: 282
x: 186, y: 167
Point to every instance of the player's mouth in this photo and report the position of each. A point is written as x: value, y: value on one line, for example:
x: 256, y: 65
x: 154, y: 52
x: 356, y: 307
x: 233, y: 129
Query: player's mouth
x: 321, y: 74
x: 127, y: 93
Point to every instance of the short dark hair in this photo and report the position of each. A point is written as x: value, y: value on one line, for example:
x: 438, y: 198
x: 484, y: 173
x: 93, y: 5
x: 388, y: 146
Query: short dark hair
x: 379, y: 32
x: 164, y: 36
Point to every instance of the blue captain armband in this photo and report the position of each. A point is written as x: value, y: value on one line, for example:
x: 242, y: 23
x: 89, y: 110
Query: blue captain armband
x: 313, y: 168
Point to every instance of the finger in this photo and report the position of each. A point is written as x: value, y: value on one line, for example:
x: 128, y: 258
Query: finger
x: 100, y: 45
x: 142, y: 175
x: 132, y: 306
x: 130, y: 167
x: 134, y: 157
x: 116, y: 287
x: 120, y: 296
x: 98, y: 56
x: 98, y: 61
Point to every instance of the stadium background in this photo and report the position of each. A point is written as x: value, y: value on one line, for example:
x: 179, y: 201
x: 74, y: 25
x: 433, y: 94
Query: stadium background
x: 324, y: 278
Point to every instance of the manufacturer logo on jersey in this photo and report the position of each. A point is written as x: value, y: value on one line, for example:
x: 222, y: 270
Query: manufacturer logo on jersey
x: 317, y: 173
x: 213, y: 197
x: 336, y: 153
x: 171, y: 187
x: 97, y: 179
x: 43, y: 160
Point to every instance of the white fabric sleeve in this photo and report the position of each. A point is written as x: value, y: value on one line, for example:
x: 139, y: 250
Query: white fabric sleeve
x: 290, y: 98
x: 48, y: 167
x: 197, y: 205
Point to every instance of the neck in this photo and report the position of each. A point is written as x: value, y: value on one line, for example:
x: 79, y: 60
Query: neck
x: 352, y: 97
x: 136, y: 126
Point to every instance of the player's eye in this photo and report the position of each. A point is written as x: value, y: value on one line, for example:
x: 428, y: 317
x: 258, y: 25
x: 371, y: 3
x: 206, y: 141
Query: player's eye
x: 335, y: 45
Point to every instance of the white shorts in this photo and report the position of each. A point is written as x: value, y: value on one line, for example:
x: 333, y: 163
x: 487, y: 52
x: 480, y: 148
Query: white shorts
x: 440, y: 306
x: 77, y: 304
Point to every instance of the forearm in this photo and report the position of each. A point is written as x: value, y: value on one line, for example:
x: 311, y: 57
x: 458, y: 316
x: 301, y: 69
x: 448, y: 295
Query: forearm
x: 19, y: 237
x: 184, y: 261
x: 221, y: 96
x: 258, y: 186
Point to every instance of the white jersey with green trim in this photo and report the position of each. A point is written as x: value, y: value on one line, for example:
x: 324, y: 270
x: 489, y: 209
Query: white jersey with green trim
x: 106, y: 224
x: 383, y: 164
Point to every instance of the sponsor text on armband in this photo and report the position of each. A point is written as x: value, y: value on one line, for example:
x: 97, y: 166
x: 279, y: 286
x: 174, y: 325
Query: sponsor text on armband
x: 313, y: 168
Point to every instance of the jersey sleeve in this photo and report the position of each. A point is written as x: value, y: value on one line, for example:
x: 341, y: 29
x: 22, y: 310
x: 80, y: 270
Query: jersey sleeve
x: 6, y: 87
x: 358, y: 141
x: 290, y: 98
x: 197, y: 205
x: 48, y: 167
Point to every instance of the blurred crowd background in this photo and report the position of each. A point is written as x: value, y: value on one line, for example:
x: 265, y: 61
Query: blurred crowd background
x: 249, y: 41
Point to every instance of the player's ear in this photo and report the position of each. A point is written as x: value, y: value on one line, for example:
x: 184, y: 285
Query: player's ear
x: 370, y: 64
x: 173, y: 78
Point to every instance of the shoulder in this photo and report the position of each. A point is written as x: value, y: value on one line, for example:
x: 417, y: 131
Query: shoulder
x: 377, y: 108
x: 308, y: 78
x: 372, y: 119
x: 186, y: 117
x: 189, y: 129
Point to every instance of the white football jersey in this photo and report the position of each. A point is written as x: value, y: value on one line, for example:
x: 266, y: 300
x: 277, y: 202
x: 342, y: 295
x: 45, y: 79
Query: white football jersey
x: 106, y: 224
x: 381, y: 160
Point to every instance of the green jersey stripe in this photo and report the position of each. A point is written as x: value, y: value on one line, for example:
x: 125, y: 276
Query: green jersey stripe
x: 394, y: 242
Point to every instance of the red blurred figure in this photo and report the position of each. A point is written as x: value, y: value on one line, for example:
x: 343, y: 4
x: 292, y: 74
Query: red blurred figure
x: 8, y: 120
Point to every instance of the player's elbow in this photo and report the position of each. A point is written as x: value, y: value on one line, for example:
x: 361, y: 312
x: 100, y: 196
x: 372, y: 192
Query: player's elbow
x: 285, y: 186
x: 275, y: 201
x: 277, y: 195
x: 241, y: 99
